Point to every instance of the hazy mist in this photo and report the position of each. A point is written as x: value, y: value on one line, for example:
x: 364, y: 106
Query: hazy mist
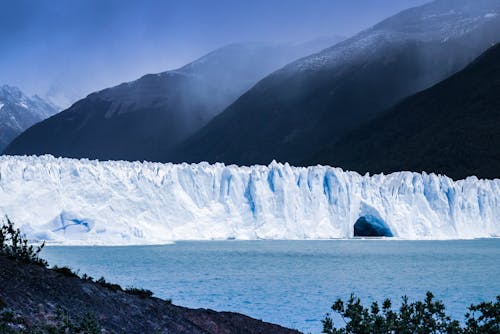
x: 66, y: 49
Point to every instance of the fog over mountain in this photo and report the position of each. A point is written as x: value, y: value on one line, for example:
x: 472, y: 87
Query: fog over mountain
x: 143, y: 119
x: 18, y: 112
x: 252, y: 103
x: 452, y: 128
x: 64, y: 50
x: 291, y: 114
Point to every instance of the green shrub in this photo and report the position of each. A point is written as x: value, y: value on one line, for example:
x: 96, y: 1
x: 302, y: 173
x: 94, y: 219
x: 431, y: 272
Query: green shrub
x: 10, y: 322
x: 483, y: 318
x: 87, y: 278
x: 63, y: 323
x: 420, y: 317
x: 89, y: 324
x: 143, y: 293
x: 15, y: 245
x: 7, y: 315
x: 66, y: 271
x: 115, y: 287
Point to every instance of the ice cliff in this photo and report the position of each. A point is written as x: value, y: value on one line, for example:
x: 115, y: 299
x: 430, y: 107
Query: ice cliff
x: 89, y: 202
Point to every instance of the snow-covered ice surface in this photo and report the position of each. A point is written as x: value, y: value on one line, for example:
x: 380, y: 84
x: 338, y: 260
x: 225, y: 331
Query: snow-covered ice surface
x: 72, y: 201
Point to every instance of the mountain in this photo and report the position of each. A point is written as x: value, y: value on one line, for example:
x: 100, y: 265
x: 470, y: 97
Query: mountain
x: 452, y: 128
x: 18, y: 112
x: 297, y: 110
x: 142, y: 119
x: 121, y: 203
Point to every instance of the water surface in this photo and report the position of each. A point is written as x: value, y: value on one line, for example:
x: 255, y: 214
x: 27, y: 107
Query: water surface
x: 293, y: 283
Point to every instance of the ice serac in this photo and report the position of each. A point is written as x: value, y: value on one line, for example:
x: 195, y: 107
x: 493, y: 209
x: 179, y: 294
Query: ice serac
x: 72, y: 201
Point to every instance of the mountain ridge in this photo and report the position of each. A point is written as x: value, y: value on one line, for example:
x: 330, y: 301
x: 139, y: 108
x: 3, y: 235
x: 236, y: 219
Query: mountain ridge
x: 18, y: 112
x: 449, y: 128
x: 315, y: 100
x: 139, y: 120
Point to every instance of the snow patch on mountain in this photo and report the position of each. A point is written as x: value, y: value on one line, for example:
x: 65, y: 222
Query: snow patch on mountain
x: 71, y: 201
x: 18, y: 112
x: 436, y: 21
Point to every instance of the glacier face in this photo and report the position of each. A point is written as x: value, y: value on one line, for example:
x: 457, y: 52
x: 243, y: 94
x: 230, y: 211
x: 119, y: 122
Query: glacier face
x: 71, y: 201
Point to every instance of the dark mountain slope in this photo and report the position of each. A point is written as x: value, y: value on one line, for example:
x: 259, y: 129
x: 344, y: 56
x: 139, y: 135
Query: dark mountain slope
x: 140, y: 119
x: 452, y: 128
x: 295, y: 111
x: 35, y: 294
x: 18, y: 112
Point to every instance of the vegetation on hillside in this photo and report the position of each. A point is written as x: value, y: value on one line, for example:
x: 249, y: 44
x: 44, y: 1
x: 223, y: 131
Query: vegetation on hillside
x: 420, y: 317
x: 61, y: 323
x: 14, y: 245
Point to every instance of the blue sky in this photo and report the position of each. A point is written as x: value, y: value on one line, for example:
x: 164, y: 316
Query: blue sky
x: 74, y: 47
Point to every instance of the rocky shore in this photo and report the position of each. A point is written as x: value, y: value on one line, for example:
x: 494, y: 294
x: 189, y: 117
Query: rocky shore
x: 37, y: 297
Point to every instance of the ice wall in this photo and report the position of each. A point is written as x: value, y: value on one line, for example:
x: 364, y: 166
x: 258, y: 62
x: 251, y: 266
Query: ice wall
x: 88, y: 202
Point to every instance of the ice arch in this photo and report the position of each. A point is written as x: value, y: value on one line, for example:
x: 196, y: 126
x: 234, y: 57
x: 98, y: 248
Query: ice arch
x: 371, y: 226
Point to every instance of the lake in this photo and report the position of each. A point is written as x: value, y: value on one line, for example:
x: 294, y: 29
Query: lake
x: 294, y: 283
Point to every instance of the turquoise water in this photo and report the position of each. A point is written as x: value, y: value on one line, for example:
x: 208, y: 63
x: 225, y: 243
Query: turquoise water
x: 293, y: 283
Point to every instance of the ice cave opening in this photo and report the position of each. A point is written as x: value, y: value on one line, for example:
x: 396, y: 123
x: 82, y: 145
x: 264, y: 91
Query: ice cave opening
x: 370, y: 226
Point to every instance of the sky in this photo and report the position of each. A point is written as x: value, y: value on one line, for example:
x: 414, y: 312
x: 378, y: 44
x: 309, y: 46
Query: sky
x: 66, y: 49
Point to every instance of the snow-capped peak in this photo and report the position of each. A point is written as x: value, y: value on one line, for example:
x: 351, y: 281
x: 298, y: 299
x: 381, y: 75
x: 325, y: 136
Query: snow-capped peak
x: 18, y: 112
x: 441, y: 20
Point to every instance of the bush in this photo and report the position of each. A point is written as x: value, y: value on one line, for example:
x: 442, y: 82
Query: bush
x: 87, y: 278
x: 63, y: 323
x: 421, y: 317
x: 89, y: 324
x: 66, y: 271
x: 483, y: 318
x: 10, y: 322
x: 115, y: 287
x: 143, y: 293
x: 60, y: 323
x: 15, y: 245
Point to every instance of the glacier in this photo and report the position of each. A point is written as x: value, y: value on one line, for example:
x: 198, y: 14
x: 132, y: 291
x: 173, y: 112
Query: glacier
x: 83, y: 202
